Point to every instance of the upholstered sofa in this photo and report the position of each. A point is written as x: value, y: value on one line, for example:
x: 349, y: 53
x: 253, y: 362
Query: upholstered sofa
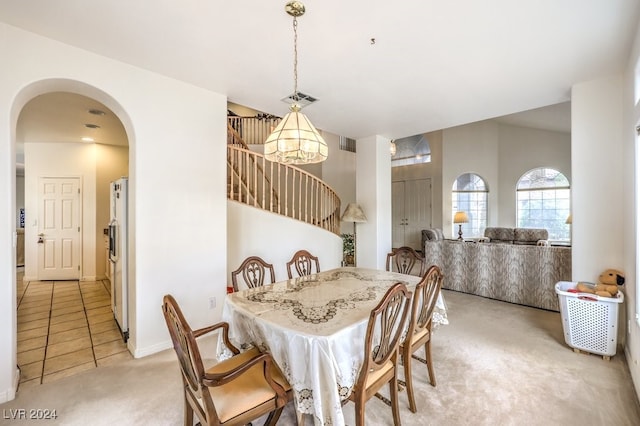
x: 513, y: 272
x: 525, y: 236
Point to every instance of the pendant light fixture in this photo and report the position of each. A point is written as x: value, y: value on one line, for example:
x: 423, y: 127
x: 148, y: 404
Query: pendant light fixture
x: 295, y: 140
x: 393, y: 148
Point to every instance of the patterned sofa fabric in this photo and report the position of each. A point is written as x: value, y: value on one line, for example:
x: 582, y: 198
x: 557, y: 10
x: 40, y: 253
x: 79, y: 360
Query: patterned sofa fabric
x: 431, y: 234
x: 529, y: 236
x: 499, y: 234
x: 522, y: 236
x: 522, y: 274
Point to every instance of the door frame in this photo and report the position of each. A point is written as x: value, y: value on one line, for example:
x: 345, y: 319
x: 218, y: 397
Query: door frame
x: 79, y: 209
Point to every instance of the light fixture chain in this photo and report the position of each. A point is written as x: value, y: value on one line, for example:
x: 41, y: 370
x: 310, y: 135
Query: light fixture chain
x: 295, y: 59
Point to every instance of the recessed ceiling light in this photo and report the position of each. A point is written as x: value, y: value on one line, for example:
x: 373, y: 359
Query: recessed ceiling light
x: 91, y: 126
x: 85, y: 139
x: 96, y: 112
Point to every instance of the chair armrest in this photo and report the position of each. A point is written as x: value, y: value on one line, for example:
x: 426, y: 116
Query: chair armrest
x: 265, y: 358
x: 225, y: 334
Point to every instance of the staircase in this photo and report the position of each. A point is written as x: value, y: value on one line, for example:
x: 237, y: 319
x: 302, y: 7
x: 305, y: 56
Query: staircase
x: 278, y: 188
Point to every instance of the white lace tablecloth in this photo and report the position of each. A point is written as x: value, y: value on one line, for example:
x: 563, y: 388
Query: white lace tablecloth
x: 315, y: 328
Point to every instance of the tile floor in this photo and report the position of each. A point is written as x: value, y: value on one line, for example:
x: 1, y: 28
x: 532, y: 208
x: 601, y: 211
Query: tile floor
x: 65, y: 327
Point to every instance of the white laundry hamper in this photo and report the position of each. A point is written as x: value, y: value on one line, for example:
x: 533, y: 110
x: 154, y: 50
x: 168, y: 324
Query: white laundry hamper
x: 589, y: 321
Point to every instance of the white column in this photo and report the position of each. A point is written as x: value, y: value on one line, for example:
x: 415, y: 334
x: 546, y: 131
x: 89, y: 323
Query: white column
x: 597, y: 182
x: 373, y: 193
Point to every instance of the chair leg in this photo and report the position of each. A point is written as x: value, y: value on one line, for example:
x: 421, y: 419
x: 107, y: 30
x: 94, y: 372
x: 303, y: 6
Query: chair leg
x: 273, y: 417
x: 408, y: 378
x: 393, y: 390
x: 359, y: 411
x: 432, y: 374
x: 188, y: 413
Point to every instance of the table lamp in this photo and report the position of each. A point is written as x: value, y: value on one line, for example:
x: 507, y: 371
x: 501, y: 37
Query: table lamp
x: 353, y: 213
x: 460, y: 218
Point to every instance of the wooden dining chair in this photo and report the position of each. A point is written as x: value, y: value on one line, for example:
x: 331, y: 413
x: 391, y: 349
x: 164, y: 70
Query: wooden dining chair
x: 303, y: 262
x: 385, y: 328
x: 254, y: 271
x: 423, y: 303
x: 232, y: 392
x: 406, y: 261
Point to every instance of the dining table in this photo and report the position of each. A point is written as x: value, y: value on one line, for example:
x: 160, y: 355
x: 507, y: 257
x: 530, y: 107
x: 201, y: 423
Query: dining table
x: 314, y: 327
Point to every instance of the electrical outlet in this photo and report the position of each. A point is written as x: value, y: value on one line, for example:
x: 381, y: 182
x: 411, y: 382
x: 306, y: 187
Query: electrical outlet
x: 212, y: 302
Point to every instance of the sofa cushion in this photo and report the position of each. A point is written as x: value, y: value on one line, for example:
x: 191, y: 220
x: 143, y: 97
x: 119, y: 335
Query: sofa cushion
x: 433, y: 234
x: 499, y: 234
x: 529, y: 235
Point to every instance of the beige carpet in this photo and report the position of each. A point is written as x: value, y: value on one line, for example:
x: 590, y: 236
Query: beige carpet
x: 496, y: 364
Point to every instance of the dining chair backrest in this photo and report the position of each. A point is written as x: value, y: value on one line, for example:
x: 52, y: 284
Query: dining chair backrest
x: 423, y: 303
x: 385, y: 328
x: 405, y: 260
x: 424, y: 299
x: 267, y: 391
x: 253, y: 271
x: 184, y: 344
x: 304, y: 263
x: 381, y: 349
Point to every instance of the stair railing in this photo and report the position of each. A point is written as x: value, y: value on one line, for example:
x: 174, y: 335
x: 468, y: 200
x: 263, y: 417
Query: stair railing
x: 281, y: 189
x: 254, y: 130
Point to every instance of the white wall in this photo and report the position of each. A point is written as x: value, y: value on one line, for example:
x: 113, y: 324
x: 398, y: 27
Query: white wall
x: 500, y: 154
x: 629, y: 206
x: 373, y: 193
x: 431, y: 170
x: 473, y: 148
x: 259, y: 233
x: 60, y: 160
x: 597, y: 196
x: 339, y: 172
x: 520, y: 150
x: 177, y: 135
x: 112, y: 162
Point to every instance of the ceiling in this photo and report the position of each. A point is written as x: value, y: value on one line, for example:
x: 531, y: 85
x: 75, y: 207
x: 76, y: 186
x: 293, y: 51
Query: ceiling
x: 377, y: 67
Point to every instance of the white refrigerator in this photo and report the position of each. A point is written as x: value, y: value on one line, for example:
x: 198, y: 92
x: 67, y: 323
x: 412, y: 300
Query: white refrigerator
x: 119, y: 254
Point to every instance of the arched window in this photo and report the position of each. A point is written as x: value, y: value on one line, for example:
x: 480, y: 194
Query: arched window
x: 470, y: 194
x: 543, y: 197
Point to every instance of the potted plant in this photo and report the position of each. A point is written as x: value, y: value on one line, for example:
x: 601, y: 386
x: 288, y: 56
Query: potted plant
x: 348, y: 249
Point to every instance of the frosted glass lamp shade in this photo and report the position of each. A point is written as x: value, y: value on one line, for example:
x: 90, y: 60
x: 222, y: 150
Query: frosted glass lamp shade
x: 295, y: 141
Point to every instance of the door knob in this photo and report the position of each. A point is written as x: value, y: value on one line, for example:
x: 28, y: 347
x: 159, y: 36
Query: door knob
x: 40, y: 238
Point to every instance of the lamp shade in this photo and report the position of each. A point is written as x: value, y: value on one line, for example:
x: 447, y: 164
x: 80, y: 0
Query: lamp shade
x: 460, y: 217
x: 353, y: 213
x: 295, y: 141
x: 569, y: 219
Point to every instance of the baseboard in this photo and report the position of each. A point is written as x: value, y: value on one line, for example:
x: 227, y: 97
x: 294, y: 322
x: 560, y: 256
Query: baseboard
x: 10, y: 394
x: 88, y: 278
x: 150, y: 350
x: 29, y: 278
x: 633, y: 369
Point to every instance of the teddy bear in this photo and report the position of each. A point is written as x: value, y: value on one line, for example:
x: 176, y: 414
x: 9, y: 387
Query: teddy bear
x: 607, y: 285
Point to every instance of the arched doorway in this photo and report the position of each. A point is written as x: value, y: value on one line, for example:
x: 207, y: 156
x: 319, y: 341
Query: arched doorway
x: 66, y: 325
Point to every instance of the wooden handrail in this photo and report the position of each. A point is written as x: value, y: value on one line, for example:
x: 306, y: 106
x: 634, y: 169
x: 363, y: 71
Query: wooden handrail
x: 253, y: 130
x: 281, y: 189
x: 234, y: 138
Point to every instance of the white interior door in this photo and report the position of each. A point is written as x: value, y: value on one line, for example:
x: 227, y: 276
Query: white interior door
x: 417, y: 205
x: 397, y: 214
x: 59, y: 229
x: 410, y: 211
